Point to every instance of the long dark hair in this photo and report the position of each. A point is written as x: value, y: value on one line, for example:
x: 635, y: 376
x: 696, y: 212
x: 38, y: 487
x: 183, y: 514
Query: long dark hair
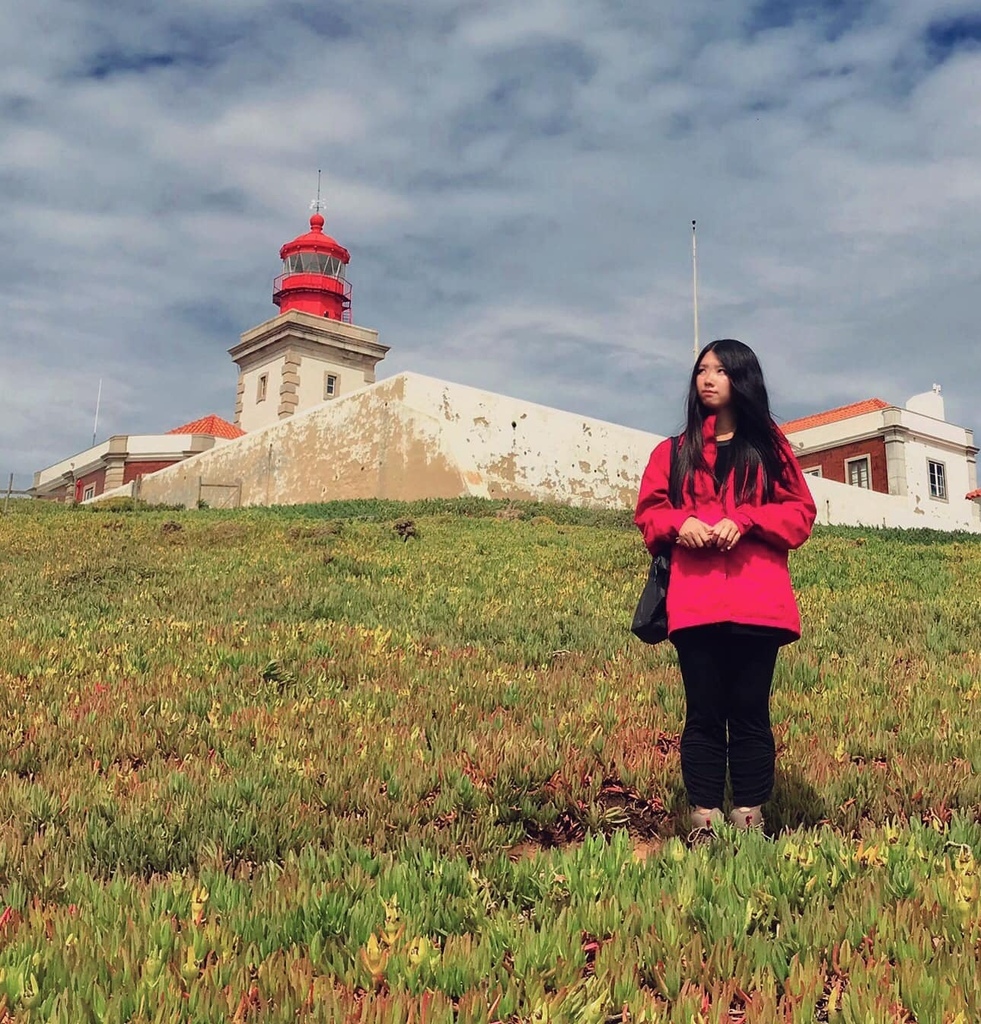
x: 755, y: 446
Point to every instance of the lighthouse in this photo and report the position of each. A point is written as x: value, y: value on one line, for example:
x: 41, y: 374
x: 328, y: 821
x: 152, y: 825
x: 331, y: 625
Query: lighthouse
x: 312, y: 352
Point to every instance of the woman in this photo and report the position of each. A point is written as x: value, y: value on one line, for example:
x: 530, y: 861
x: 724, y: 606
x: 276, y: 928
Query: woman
x: 740, y: 504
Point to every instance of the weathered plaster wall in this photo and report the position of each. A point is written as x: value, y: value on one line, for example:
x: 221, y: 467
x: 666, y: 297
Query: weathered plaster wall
x: 507, y: 448
x: 412, y: 437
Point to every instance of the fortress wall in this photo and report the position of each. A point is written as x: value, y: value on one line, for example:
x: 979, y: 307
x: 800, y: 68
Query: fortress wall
x: 413, y: 437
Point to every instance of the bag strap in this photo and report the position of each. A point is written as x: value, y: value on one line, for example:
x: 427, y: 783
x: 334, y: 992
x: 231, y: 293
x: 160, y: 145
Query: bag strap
x: 674, y: 488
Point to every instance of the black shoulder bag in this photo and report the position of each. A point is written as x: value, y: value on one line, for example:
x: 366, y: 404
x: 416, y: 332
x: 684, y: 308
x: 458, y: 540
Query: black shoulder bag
x: 651, y: 617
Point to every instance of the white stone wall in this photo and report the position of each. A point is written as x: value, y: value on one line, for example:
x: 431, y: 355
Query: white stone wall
x: 842, y: 505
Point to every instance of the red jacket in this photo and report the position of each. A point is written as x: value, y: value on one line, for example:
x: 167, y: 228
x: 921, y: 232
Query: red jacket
x: 749, y: 584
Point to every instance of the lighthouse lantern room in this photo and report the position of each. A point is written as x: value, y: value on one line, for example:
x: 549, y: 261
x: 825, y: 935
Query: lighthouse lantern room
x: 314, y: 277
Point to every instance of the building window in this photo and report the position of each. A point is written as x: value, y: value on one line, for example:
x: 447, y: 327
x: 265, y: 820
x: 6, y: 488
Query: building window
x: 813, y: 471
x: 938, y: 479
x: 330, y: 385
x: 89, y: 492
x: 260, y: 395
x: 859, y: 472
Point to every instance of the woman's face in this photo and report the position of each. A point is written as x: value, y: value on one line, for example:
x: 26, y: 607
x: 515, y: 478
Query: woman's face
x: 712, y: 384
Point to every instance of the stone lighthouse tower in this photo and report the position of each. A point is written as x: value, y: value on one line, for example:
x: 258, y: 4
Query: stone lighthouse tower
x: 311, y: 352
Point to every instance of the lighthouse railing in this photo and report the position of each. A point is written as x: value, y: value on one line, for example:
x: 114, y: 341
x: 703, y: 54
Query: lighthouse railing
x: 304, y: 281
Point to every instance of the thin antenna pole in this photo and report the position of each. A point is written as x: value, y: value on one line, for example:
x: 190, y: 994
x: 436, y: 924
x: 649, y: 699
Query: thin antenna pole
x: 694, y: 282
x: 98, y: 402
x: 317, y: 204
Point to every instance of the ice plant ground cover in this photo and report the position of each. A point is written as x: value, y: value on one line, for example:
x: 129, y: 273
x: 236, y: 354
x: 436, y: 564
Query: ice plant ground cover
x: 327, y: 764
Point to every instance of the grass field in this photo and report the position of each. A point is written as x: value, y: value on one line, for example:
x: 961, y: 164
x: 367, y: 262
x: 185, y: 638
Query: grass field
x: 375, y: 762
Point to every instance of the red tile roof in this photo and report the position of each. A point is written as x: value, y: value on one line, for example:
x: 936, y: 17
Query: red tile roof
x: 213, y: 426
x: 843, y: 412
x: 973, y: 495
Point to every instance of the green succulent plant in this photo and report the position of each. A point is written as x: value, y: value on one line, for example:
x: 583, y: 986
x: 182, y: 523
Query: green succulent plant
x: 279, y: 765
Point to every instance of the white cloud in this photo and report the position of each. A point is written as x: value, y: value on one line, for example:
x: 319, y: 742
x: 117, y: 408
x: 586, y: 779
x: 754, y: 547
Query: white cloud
x: 515, y: 183
x: 504, y: 25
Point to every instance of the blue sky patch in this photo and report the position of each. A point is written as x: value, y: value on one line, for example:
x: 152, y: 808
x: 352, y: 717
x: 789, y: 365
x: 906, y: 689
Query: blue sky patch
x: 951, y: 34
x: 835, y: 16
x: 107, y: 63
x: 324, y: 19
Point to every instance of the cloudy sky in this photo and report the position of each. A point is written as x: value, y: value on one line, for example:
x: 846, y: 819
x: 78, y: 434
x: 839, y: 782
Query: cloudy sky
x: 516, y: 181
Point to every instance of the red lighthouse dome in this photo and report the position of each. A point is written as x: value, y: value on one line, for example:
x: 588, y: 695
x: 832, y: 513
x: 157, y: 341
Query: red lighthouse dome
x: 313, y: 278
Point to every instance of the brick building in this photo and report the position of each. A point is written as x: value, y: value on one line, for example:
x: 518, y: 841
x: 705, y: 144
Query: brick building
x: 124, y: 457
x: 910, y: 451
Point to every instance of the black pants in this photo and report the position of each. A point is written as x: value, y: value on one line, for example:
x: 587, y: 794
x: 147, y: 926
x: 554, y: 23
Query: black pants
x: 727, y: 677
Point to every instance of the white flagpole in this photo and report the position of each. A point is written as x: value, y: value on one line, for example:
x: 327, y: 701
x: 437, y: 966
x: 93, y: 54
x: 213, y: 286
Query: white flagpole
x: 98, y: 400
x: 694, y: 281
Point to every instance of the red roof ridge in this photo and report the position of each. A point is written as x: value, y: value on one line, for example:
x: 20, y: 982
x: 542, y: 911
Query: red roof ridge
x: 212, y: 426
x: 843, y: 412
x: 973, y: 495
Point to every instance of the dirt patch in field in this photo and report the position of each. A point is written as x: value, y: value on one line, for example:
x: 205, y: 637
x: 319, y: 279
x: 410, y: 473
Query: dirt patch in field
x: 615, y: 807
x: 643, y: 847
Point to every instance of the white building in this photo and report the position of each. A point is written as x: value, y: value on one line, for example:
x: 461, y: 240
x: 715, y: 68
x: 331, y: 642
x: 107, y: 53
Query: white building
x: 910, y: 452
x: 125, y: 458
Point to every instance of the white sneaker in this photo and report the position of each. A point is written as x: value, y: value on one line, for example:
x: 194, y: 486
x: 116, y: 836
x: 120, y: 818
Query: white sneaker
x: 745, y: 818
x: 702, y: 821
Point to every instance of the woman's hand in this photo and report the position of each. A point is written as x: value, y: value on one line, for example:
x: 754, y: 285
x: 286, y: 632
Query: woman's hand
x: 725, y: 534
x: 695, y: 534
